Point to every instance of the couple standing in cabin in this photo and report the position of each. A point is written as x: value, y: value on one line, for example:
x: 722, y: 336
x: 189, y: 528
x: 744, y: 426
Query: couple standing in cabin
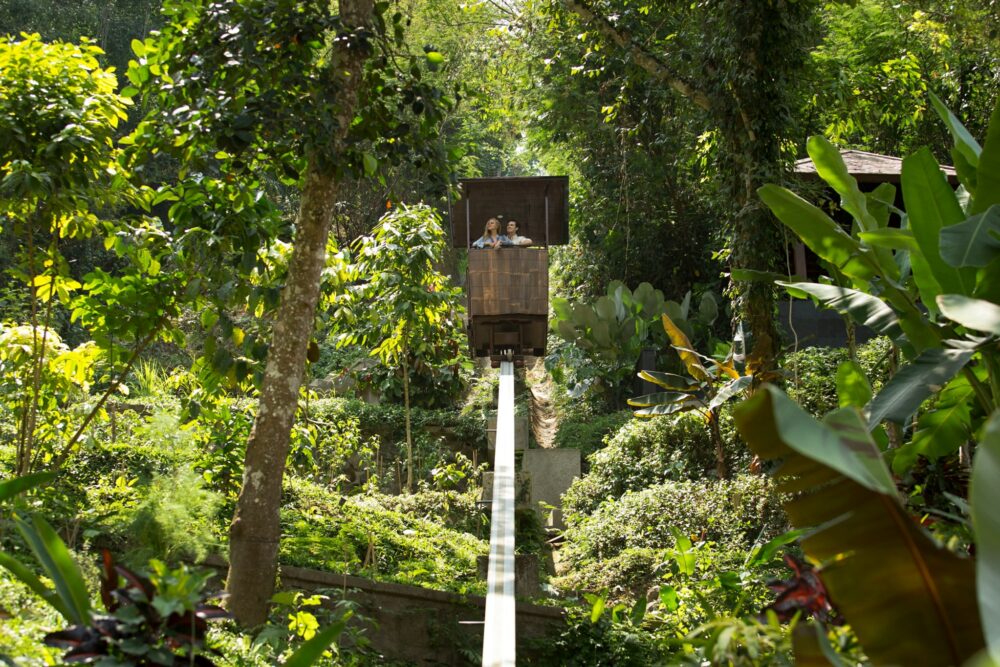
x: 492, y: 238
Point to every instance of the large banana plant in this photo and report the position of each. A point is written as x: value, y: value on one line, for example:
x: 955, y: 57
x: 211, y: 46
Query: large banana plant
x: 931, y: 285
x: 909, y: 600
x: 710, y: 384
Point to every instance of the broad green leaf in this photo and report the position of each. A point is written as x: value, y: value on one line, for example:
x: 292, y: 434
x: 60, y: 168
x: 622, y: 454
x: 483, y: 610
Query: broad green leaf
x: 984, y: 499
x: 931, y: 206
x: 370, y: 164
x: 311, y: 651
x: 881, y: 202
x: 853, y: 389
x: 941, y: 430
x: 31, y: 580
x: 12, y: 487
x: 971, y: 313
x: 988, y: 173
x: 763, y: 554
x: 864, y: 309
x: 965, y: 143
x: 975, y: 242
x: 668, y: 597
x: 58, y: 565
x: 890, y: 237
x: 818, y: 231
x: 915, y: 383
x: 924, y: 612
x: 831, y: 168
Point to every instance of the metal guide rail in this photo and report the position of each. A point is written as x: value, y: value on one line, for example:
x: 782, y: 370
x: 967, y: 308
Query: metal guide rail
x: 498, y: 631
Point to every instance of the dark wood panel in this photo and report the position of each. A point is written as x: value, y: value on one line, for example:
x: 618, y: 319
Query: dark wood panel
x: 508, y: 281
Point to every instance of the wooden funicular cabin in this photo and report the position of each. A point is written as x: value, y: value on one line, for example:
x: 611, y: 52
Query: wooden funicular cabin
x: 508, y: 288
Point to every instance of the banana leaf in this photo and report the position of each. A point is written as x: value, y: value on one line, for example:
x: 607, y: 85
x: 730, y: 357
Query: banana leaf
x: 10, y: 488
x: 670, y: 381
x: 732, y: 388
x: 683, y: 345
x: 988, y: 172
x: 931, y: 206
x: 915, y: 383
x: 690, y: 403
x: 895, y: 239
x: 964, y: 141
x: 831, y: 168
x: 853, y: 388
x: 31, y: 580
x: 975, y: 242
x: 984, y: 495
x: 941, y: 431
x: 863, y: 308
x: 59, y: 566
x: 659, y: 398
x: 910, y: 601
x: 971, y: 313
x: 818, y: 231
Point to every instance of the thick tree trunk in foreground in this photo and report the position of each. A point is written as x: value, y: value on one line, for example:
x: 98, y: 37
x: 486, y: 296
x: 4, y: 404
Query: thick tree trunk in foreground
x: 256, y: 530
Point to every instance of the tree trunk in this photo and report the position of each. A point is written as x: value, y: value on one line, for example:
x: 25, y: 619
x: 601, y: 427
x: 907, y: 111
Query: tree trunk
x: 255, y: 531
x: 406, y: 407
x: 720, y: 451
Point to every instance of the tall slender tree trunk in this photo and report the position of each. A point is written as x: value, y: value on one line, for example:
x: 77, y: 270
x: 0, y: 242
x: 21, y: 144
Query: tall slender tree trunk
x: 406, y: 406
x: 255, y: 530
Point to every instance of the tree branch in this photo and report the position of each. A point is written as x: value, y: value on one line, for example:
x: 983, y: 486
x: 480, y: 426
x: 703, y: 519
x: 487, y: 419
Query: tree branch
x: 647, y: 61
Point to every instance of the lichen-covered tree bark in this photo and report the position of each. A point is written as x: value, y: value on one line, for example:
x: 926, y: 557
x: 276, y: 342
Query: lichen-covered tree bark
x: 255, y: 531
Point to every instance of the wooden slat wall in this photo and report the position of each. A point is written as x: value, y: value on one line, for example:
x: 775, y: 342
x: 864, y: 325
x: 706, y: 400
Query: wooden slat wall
x: 508, y: 281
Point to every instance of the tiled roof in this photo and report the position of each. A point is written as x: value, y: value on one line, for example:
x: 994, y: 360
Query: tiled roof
x: 867, y: 167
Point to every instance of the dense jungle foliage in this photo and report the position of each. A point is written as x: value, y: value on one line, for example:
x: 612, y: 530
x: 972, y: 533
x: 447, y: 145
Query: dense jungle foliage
x: 233, y: 345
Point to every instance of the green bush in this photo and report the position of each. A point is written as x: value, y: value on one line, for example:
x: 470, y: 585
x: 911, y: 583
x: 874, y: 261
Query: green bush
x: 359, y: 535
x: 732, y: 514
x: 645, y: 452
x: 588, y: 433
x: 812, y: 381
x: 171, y: 518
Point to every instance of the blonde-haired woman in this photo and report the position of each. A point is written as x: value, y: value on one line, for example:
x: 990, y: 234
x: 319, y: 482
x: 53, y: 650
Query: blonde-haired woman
x: 491, y: 238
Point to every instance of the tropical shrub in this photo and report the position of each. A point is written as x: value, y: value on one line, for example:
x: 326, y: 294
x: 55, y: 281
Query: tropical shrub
x: 647, y: 452
x: 732, y: 514
x: 359, y: 535
x: 812, y: 373
x: 588, y: 433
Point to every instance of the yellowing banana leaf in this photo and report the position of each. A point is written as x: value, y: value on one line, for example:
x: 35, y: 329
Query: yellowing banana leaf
x: 659, y: 398
x: 683, y: 345
x: 910, y: 601
x: 670, y: 381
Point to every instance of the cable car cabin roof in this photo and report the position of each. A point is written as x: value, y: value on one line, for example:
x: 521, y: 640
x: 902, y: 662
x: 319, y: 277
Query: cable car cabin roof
x: 520, y: 198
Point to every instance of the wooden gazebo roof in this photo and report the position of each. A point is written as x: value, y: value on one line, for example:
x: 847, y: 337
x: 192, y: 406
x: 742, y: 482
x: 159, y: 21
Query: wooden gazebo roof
x: 868, y: 167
